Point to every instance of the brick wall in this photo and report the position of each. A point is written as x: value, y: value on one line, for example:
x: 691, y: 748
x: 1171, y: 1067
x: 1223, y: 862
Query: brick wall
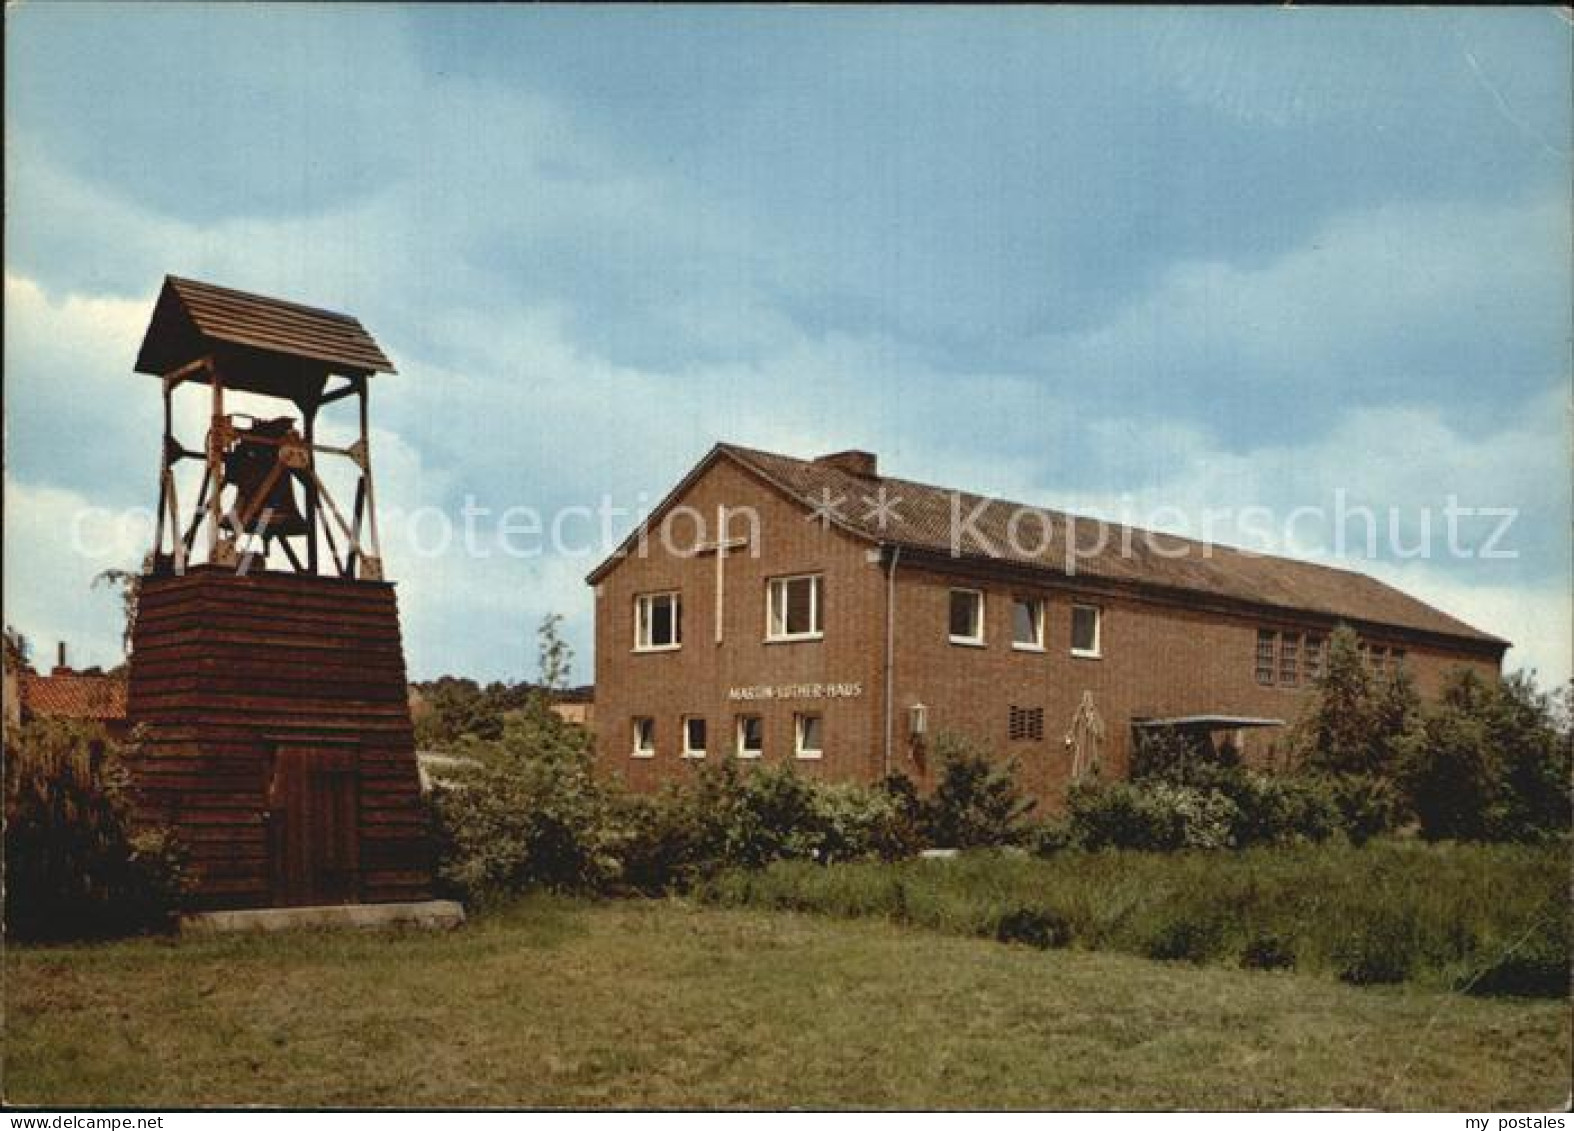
x: 695, y: 679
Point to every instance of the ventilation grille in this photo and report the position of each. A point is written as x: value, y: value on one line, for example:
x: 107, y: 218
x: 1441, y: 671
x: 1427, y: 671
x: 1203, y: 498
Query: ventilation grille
x: 1026, y: 724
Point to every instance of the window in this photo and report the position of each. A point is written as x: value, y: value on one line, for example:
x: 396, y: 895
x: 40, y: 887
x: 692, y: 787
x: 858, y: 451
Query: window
x: 794, y: 608
x: 806, y: 742
x: 751, y: 736
x: 1289, y: 659
x: 693, y: 737
x: 1314, y: 658
x: 967, y: 616
x: 658, y: 622
x: 1397, y: 659
x: 644, y: 736
x: 1266, y: 644
x: 1025, y: 724
x: 1027, y: 624
x: 1084, y: 630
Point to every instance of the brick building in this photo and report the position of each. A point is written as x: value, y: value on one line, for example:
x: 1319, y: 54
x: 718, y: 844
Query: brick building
x: 65, y: 693
x: 819, y: 613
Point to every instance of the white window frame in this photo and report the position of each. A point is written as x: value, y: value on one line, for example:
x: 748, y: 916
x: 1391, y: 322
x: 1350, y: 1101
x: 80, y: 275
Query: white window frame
x: 816, y: 610
x: 690, y: 751
x: 1097, y: 651
x: 1041, y: 609
x: 643, y: 600
x: 798, y: 748
x: 639, y: 751
x: 969, y: 641
x: 737, y: 741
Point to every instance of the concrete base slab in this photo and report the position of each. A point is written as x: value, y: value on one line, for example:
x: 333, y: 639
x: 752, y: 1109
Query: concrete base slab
x: 432, y: 914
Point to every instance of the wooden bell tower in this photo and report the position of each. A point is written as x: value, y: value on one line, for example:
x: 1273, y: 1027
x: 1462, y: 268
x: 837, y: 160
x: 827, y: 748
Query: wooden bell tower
x: 267, y: 666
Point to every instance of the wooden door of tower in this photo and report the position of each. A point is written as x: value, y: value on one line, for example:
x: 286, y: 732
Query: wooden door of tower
x: 314, y: 823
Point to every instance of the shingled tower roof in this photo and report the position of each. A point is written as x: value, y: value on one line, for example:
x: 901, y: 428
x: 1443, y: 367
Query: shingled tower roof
x: 194, y: 320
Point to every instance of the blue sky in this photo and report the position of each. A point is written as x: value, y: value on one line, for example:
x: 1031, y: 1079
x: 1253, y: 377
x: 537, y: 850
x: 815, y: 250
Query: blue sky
x: 1099, y: 259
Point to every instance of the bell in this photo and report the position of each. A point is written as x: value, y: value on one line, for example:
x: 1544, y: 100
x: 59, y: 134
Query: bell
x: 248, y: 464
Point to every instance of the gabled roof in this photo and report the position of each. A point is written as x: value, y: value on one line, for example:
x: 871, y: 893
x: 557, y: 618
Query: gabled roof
x: 191, y: 318
x: 72, y: 695
x: 919, y: 518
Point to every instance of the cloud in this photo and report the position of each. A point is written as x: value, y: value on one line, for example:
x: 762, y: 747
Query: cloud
x: 1043, y: 257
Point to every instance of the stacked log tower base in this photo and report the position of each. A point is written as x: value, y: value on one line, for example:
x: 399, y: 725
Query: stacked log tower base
x: 277, y: 738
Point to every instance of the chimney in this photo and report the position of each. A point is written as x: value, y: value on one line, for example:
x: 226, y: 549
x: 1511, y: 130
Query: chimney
x: 60, y: 663
x: 865, y: 465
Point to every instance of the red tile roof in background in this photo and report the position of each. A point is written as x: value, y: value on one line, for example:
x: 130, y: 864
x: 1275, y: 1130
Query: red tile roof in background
x: 73, y: 696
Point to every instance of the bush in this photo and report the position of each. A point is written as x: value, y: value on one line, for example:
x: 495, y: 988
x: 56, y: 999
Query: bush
x: 1033, y: 926
x: 1365, y: 806
x: 530, y: 813
x: 1282, y: 809
x: 1379, y: 949
x: 1196, y: 936
x: 976, y: 803
x: 1157, y: 817
x: 76, y: 864
x: 1268, y: 951
x: 1538, y: 966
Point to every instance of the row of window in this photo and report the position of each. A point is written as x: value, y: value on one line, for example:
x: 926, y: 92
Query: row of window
x: 748, y: 736
x: 1287, y: 659
x: 793, y: 612
x: 1027, y: 623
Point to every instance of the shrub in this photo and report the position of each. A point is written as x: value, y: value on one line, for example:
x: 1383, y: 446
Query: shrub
x: 1156, y: 817
x: 856, y: 822
x: 529, y: 813
x: 76, y: 863
x: 1178, y: 758
x: 1033, y: 926
x: 1379, y: 949
x: 976, y: 803
x: 1268, y: 951
x: 1186, y: 936
x: 1282, y: 809
x: 1450, y: 775
x: 1537, y: 967
x: 1366, y: 806
x: 1047, y: 837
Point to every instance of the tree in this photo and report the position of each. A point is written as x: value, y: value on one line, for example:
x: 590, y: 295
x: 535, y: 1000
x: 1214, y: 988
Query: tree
x: 1358, y: 722
x: 557, y: 657
x: 130, y: 586
x: 18, y: 652
x: 1451, y: 775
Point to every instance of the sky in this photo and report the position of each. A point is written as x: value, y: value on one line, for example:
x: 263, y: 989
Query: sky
x: 1138, y: 263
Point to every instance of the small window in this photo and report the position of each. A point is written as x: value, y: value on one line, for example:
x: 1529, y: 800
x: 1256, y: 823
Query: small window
x: 1397, y: 658
x: 793, y: 611
x: 644, y: 737
x: 658, y: 622
x: 806, y: 743
x: 1267, y: 644
x: 967, y: 616
x: 1289, y: 659
x: 693, y: 737
x: 751, y: 736
x: 1025, y: 724
x: 1085, y: 630
x: 1027, y: 624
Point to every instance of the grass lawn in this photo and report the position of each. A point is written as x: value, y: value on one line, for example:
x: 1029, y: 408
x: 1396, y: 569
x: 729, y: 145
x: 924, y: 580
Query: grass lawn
x: 667, y: 1004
